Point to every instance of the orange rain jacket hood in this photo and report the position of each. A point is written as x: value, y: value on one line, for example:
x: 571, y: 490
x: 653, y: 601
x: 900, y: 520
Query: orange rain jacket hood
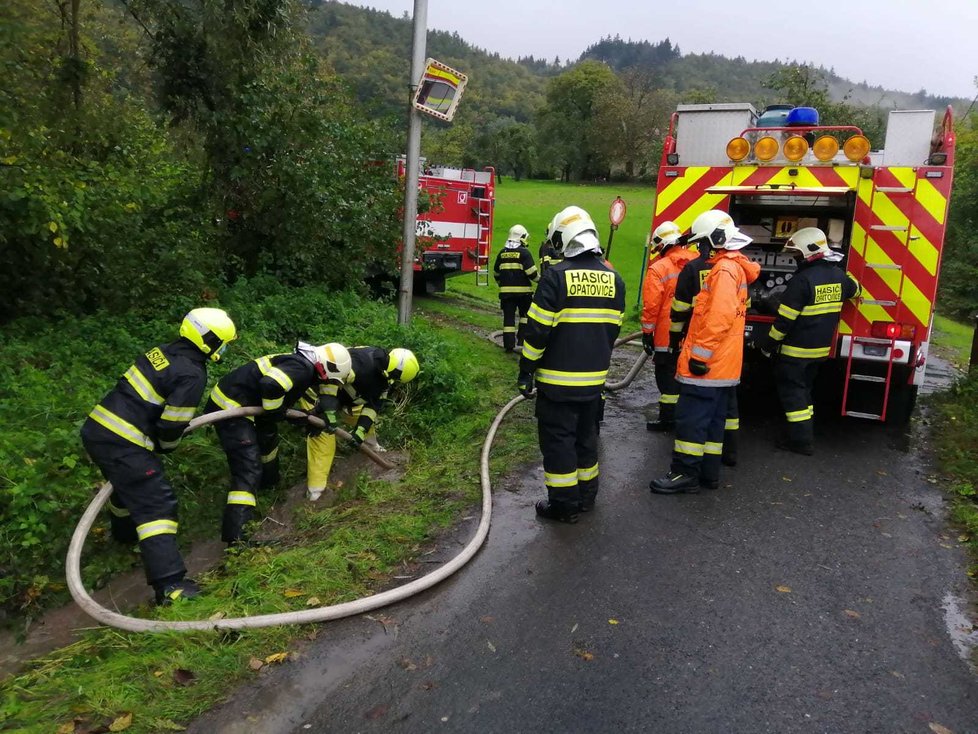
x: 716, y: 330
x: 657, y: 292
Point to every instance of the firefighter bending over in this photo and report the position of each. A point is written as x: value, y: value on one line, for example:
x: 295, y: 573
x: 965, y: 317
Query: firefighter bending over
x: 573, y: 323
x: 711, y: 358
x: 273, y: 382
x: 358, y: 402
x: 515, y: 272
x: 146, y: 414
x: 802, y: 334
x: 658, y: 289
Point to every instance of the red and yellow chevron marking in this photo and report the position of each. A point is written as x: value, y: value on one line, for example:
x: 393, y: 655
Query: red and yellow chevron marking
x: 897, y: 234
x: 683, y: 198
x: 896, y: 241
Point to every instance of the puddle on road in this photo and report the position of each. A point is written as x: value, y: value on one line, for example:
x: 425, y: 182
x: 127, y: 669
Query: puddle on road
x: 963, y: 633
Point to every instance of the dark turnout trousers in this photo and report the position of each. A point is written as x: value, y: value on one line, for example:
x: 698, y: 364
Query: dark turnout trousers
x: 569, y: 443
x: 511, y: 305
x: 701, y: 415
x: 794, y: 379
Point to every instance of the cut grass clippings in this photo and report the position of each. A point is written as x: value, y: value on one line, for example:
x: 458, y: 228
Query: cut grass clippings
x: 337, y: 554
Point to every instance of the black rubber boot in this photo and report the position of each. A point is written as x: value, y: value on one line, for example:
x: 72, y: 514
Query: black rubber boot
x: 233, y: 525
x: 675, y: 483
x: 560, y: 512
x: 169, y: 592
x: 805, y: 449
x: 659, y: 425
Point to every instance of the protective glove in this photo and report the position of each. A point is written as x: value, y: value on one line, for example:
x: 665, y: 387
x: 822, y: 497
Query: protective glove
x: 765, y: 345
x: 300, y: 422
x: 698, y: 367
x: 525, y: 384
x: 358, y: 435
x: 329, y: 418
x: 648, y: 343
x: 675, y: 341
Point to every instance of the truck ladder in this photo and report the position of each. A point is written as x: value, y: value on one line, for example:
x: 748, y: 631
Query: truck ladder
x: 483, y: 213
x: 853, y: 377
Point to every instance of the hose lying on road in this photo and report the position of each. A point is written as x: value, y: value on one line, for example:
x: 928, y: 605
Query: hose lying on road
x: 320, y: 614
x: 632, y: 373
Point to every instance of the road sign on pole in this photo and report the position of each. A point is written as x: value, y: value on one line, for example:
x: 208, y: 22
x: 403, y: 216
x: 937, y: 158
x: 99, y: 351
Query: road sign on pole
x: 616, y: 214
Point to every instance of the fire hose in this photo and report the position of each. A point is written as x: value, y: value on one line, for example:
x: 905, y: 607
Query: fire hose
x: 318, y: 614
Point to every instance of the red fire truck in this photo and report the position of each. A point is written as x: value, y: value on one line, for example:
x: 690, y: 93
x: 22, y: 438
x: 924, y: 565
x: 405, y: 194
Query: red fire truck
x: 885, y: 210
x: 455, y: 229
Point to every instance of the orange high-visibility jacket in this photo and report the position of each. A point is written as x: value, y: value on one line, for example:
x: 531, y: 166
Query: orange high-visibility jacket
x: 716, y: 330
x: 657, y: 292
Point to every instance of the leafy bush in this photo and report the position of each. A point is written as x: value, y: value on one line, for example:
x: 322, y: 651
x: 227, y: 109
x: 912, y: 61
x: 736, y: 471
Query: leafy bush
x: 50, y: 379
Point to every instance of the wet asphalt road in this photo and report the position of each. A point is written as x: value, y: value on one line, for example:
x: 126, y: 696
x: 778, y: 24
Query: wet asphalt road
x: 806, y: 595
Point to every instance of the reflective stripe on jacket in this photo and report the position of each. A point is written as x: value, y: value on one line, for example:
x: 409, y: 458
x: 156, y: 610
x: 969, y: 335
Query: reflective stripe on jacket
x: 571, y: 327
x: 716, y: 330
x: 273, y: 382
x: 152, y: 403
x: 688, y: 284
x: 515, y: 271
x: 810, y: 310
x: 657, y: 293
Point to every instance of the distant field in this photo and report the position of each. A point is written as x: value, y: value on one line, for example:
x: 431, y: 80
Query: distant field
x: 534, y: 203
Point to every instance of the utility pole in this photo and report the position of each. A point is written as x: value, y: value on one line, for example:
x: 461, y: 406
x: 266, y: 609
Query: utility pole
x: 412, y: 164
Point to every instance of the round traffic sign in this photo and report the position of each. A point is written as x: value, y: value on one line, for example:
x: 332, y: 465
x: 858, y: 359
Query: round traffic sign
x: 617, y: 213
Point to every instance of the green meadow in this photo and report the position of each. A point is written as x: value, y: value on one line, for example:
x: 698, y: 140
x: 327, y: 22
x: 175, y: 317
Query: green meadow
x: 534, y: 203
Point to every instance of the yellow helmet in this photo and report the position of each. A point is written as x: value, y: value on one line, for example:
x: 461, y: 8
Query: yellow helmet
x: 402, y: 365
x: 210, y: 330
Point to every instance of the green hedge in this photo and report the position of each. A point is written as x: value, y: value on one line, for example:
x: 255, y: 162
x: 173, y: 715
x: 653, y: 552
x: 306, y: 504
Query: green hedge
x: 50, y: 379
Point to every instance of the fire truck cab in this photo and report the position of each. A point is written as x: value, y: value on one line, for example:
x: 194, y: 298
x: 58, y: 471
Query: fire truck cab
x: 455, y: 229
x: 884, y: 210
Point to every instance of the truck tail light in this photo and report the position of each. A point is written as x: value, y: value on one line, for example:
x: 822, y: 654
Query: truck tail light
x: 891, y: 330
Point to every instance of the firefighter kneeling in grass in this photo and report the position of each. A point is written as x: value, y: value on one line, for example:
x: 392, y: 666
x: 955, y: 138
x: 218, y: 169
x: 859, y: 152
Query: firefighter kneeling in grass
x: 273, y: 382
x: 711, y: 358
x: 146, y: 413
x: 573, y: 323
x: 802, y: 334
x: 515, y: 272
x: 358, y: 402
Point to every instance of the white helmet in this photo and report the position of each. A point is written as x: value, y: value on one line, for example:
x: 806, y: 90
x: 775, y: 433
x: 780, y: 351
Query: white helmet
x: 572, y: 231
x: 517, y: 236
x: 333, y: 361
x: 809, y: 242
x: 717, y: 229
x: 665, y: 235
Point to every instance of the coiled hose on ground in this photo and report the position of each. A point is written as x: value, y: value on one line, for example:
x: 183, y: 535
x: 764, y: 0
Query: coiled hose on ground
x: 319, y: 614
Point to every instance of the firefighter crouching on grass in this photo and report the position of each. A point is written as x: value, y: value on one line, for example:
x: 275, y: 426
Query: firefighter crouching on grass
x: 688, y: 285
x: 802, y: 334
x: 711, y: 358
x: 657, y: 294
x: 145, y: 414
x: 358, y: 402
x: 515, y: 272
x: 573, y: 323
x: 273, y: 382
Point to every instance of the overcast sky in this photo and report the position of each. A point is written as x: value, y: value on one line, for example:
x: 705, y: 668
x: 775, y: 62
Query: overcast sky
x: 900, y: 44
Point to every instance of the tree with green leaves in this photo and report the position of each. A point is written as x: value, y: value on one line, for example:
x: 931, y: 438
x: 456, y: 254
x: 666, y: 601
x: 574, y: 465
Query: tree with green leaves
x: 566, y: 123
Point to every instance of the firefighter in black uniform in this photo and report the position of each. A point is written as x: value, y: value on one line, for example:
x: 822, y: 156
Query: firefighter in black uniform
x: 573, y: 323
x: 274, y: 382
x: 145, y: 414
x: 690, y: 281
x: 804, y: 329
x: 547, y: 256
x: 359, y: 401
x: 515, y: 272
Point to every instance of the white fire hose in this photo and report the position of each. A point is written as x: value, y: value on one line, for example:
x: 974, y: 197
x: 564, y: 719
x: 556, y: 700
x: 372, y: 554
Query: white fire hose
x: 319, y: 614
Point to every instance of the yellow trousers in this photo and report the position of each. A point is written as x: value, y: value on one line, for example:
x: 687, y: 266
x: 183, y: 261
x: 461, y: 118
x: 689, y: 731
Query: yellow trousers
x: 321, y: 450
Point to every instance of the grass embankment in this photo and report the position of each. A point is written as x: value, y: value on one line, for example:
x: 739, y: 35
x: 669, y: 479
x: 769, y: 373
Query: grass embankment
x: 337, y: 553
x: 534, y: 203
x: 956, y: 430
